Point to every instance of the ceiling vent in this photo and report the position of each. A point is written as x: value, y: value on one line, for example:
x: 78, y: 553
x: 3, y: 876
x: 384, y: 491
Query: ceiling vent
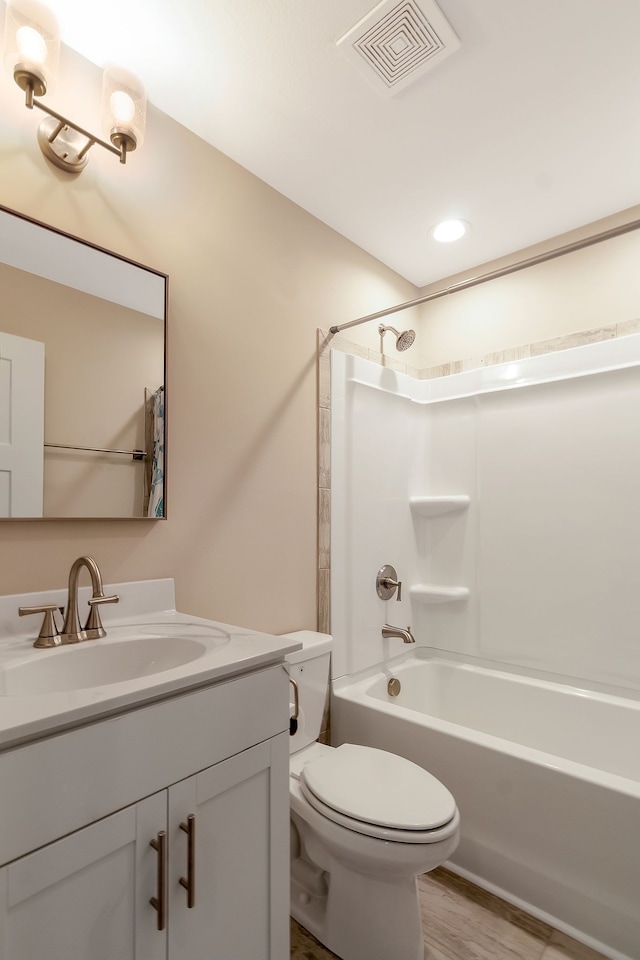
x: 397, y: 43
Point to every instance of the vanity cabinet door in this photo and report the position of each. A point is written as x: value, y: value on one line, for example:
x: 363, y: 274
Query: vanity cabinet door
x: 241, y: 815
x: 84, y: 896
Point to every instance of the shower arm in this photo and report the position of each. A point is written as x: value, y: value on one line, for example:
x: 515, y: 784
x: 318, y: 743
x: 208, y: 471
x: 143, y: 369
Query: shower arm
x: 494, y: 274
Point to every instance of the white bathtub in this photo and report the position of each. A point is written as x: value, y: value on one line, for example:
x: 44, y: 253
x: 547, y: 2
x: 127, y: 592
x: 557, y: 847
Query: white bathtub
x: 546, y: 776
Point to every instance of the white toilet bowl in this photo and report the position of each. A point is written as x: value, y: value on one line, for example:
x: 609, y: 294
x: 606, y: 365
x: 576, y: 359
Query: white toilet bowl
x: 364, y: 824
x: 357, y: 892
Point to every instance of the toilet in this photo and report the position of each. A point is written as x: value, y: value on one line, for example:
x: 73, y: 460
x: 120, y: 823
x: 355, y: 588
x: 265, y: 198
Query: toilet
x: 365, y: 824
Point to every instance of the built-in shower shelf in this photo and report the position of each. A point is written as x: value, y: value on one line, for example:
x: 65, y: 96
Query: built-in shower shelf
x: 435, y: 506
x: 432, y: 593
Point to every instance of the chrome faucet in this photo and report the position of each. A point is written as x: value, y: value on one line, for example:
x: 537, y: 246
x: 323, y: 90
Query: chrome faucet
x: 405, y: 635
x: 71, y: 631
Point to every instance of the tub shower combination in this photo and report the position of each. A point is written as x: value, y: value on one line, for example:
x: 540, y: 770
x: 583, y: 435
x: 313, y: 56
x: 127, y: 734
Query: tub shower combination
x: 546, y: 778
x: 506, y: 499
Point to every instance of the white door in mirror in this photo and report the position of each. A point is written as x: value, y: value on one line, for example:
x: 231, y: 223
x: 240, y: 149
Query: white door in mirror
x: 21, y: 426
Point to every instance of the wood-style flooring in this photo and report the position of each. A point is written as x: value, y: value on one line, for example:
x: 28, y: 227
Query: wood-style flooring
x: 463, y: 922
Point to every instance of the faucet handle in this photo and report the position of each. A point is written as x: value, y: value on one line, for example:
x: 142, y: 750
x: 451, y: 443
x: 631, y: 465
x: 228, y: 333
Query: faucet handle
x: 387, y: 582
x: 114, y: 598
x: 392, y: 584
x: 93, y: 620
x: 49, y: 635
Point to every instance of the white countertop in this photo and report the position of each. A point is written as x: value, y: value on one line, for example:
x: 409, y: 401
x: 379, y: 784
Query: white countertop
x: 145, y: 611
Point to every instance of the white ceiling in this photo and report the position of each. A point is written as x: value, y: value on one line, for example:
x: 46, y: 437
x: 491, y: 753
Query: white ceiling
x: 530, y: 129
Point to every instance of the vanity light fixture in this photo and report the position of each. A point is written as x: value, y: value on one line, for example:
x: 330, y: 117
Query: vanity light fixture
x: 450, y: 230
x: 31, y: 52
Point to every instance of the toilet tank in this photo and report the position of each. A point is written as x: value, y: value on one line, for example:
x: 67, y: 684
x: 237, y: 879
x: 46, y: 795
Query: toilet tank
x: 309, y: 667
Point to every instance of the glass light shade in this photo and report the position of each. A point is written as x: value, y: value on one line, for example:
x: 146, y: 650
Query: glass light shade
x: 31, y: 44
x: 124, y: 107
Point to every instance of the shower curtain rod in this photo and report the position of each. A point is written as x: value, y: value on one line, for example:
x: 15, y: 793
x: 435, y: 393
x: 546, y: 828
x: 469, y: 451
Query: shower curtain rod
x: 494, y: 274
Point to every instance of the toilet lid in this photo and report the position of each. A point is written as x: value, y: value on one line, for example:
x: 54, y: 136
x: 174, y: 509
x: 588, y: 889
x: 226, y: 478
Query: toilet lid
x: 377, y: 787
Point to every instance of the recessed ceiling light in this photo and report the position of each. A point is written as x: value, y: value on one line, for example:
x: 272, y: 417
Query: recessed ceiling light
x: 450, y: 230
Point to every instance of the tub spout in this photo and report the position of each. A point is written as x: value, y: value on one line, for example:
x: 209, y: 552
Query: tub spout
x: 405, y: 635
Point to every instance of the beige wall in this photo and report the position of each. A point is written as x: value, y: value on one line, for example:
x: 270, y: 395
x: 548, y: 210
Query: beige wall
x: 251, y: 277
x: 598, y: 286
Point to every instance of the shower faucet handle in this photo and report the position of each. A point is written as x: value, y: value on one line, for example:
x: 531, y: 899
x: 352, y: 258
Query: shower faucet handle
x: 387, y: 583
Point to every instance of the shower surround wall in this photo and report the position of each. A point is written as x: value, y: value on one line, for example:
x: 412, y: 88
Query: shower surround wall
x: 540, y: 568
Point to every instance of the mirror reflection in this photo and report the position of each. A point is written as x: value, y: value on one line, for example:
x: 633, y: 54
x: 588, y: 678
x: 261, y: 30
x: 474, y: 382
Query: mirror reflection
x: 82, y: 378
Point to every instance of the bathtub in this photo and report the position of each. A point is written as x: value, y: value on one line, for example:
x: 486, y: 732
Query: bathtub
x: 546, y: 776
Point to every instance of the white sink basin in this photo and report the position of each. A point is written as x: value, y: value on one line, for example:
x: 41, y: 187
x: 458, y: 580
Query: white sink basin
x: 182, y: 629
x: 99, y: 663
x: 151, y: 652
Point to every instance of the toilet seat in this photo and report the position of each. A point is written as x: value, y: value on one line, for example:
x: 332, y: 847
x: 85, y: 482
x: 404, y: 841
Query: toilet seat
x: 379, y: 794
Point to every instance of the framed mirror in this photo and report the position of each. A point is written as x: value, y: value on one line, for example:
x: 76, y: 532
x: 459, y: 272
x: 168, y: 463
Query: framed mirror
x: 82, y: 378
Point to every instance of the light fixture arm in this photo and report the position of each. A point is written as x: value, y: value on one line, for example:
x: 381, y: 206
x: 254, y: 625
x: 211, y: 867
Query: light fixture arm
x: 62, y: 122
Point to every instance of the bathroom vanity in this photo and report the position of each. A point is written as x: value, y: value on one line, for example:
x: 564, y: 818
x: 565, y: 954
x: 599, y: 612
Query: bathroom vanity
x: 146, y: 816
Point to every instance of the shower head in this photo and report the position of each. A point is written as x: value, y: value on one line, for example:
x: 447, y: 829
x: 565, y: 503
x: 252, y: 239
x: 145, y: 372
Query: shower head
x: 404, y: 338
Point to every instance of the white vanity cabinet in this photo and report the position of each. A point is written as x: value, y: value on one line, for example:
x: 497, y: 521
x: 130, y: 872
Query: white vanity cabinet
x: 81, y: 896
x: 234, y: 876
x: 79, y: 811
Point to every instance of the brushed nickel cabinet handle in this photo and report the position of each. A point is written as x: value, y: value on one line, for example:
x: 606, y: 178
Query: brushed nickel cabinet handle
x: 159, y: 902
x: 189, y: 883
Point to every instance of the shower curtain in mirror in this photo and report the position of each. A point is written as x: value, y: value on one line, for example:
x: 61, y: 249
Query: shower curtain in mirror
x: 156, y: 498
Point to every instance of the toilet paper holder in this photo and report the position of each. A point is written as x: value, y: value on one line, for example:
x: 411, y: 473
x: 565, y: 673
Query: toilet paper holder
x: 293, y: 719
